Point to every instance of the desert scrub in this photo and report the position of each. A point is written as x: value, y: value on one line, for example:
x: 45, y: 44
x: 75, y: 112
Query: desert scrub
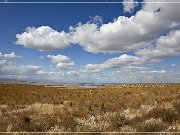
x: 68, y: 122
x: 50, y: 104
x: 33, y: 122
x: 32, y: 118
x: 93, y: 123
x: 168, y: 116
x: 177, y: 107
x: 41, y: 118
x: 174, y: 128
x: 151, y: 125
x: 118, y: 121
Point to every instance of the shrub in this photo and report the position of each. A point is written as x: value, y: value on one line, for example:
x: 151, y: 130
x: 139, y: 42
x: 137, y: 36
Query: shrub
x: 177, y: 107
x: 152, y: 125
x: 166, y: 115
x: 69, y: 123
x: 118, y: 121
x: 34, y: 123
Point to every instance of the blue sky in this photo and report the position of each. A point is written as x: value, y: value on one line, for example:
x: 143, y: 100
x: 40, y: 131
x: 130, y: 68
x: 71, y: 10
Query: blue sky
x: 100, y: 43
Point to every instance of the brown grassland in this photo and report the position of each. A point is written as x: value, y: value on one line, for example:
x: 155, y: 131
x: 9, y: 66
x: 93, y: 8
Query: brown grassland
x: 113, y: 108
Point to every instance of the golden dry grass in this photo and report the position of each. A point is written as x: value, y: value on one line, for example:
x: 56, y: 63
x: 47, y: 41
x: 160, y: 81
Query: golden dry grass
x: 142, y: 107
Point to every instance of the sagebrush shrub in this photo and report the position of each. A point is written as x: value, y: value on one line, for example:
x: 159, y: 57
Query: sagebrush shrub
x: 151, y: 127
x: 69, y: 122
x: 166, y: 115
x: 118, y: 121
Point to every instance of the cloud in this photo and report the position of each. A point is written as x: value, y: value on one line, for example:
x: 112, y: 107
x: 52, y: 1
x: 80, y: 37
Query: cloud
x: 173, y: 65
x: 152, y: 33
x: 129, y: 74
x: 61, y: 61
x: 121, y: 34
x: 9, y: 68
x: 118, y: 62
x: 127, y: 33
x: 123, y: 74
x: 111, y: 37
x: 124, y: 60
x: 93, y: 68
x: 10, y: 55
x: 31, y: 69
x: 96, y: 19
x: 165, y: 46
x: 73, y: 72
x: 153, y: 72
x: 43, y: 38
x: 129, y: 5
x: 4, y: 62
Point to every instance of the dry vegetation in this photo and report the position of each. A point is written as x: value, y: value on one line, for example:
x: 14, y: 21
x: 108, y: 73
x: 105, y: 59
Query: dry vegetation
x: 117, y: 108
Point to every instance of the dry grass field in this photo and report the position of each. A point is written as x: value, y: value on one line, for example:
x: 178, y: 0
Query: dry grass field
x: 113, y: 108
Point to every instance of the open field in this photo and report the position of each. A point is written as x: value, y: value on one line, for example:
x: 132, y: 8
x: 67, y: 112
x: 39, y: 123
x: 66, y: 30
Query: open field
x: 117, y: 108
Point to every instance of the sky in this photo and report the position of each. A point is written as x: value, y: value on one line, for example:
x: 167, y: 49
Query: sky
x: 127, y: 42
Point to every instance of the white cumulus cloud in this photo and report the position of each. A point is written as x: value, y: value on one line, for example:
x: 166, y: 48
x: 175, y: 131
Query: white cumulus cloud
x: 118, y: 62
x: 165, y: 46
x: 43, y: 38
x: 129, y: 5
x: 61, y: 61
x: 127, y: 33
x: 121, y: 34
x: 9, y: 55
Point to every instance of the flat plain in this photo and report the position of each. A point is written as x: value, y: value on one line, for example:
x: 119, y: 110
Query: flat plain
x: 107, y: 108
